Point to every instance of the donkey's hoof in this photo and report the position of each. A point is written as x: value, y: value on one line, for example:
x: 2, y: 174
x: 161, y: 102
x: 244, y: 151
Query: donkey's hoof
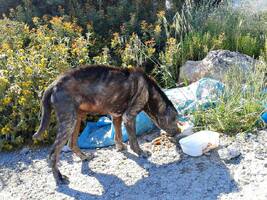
x: 62, y: 180
x: 87, y: 157
x: 121, y: 146
x: 144, y: 154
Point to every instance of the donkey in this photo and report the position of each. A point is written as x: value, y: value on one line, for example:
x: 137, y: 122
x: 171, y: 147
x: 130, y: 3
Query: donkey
x: 99, y: 89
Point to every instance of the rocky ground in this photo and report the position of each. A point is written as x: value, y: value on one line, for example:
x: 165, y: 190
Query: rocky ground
x: 236, y: 170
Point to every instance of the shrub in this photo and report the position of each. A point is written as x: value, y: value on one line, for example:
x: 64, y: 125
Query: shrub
x: 30, y: 60
x: 240, y: 106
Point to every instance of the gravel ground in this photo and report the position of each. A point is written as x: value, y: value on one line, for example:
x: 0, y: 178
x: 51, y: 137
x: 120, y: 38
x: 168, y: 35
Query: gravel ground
x: 167, y: 174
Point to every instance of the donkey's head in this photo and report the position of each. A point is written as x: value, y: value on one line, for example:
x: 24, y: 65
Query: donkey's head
x: 161, y: 110
x: 167, y: 120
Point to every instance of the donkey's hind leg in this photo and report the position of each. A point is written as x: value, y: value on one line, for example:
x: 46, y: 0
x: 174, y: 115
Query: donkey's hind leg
x: 66, y: 117
x: 73, y: 141
x: 120, y: 146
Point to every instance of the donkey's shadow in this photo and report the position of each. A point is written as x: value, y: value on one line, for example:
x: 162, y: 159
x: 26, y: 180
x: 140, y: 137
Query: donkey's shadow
x: 203, y: 177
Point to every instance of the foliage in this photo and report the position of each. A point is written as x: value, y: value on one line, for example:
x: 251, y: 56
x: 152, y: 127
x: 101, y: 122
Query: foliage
x: 240, y: 107
x: 30, y: 60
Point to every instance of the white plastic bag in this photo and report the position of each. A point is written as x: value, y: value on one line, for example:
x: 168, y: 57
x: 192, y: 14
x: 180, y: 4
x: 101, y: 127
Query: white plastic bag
x: 186, y: 128
x: 199, y: 142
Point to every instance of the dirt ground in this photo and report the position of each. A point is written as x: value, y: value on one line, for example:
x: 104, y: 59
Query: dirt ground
x: 167, y: 174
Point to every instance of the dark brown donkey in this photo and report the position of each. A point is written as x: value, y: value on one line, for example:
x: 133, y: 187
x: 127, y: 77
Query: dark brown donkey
x: 99, y: 89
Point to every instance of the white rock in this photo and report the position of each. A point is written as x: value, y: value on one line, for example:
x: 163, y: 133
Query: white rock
x: 229, y: 153
x: 215, y: 65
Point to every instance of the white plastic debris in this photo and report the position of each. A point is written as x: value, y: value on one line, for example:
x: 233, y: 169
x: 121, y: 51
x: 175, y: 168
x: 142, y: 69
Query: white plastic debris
x: 199, y: 142
x: 186, y: 128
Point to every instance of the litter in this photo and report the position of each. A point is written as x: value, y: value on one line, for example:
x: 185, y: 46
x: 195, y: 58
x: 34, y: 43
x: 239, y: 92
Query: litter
x: 199, y: 142
x: 186, y: 128
x: 264, y: 117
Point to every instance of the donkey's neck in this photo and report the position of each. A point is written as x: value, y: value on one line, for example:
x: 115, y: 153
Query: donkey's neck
x: 157, y: 104
x: 156, y: 101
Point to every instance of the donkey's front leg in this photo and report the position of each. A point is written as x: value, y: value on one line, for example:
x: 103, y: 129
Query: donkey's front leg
x: 129, y: 122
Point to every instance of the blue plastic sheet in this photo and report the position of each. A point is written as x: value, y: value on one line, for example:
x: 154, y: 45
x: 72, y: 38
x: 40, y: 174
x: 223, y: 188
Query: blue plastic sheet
x: 101, y: 133
x: 201, y: 93
x: 264, y: 117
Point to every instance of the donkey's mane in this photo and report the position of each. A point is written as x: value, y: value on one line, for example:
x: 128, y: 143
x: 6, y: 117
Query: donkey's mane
x: 152, y: 83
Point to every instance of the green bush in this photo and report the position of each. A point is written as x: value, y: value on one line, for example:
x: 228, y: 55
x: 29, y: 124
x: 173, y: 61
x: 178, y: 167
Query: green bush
x: 30, y: 60
x: 240, y: 106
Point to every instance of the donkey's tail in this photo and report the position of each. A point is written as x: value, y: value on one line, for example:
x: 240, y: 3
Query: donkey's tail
x: 46, y: 112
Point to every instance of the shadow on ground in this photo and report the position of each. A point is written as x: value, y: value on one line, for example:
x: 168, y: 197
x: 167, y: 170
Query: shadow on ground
x: 204, y: 177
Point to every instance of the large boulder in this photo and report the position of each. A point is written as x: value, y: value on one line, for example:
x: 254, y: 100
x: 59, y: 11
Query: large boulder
x: 215, y: 65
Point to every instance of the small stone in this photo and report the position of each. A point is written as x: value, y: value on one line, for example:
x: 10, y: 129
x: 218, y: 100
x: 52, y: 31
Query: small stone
x: 117, y: 194
x: 51, y: 192
x: 229, y: 153
x: 147, y: 166
x: 146, y: 174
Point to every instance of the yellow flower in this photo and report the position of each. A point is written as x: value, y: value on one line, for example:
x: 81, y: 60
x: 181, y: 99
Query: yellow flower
x: 161, y: 14
x: 84, y: 49
x: 21, y: 51
x: 150, y: 51
x: 43, y: 63
x: 3, y: 80
x: 28, y: 70
x: 171, y: 41
x: 81, y: 61
x: 22, y: 58
x: 26, y: 84
x: 26, y: 92
x: 35, y: 20
x: 6, y: 101
x: 68, y: 25
x: 144, y: 25
x: 157, y: 29
x: 5, y: 130
x: 5, y: 46
x: 22, y: 100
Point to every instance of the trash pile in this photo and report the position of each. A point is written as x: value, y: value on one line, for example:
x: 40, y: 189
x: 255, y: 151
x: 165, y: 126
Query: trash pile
x: 203, y: 92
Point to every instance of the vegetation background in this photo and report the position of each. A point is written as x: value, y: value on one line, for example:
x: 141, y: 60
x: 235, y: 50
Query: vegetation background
x: 39, y: 39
